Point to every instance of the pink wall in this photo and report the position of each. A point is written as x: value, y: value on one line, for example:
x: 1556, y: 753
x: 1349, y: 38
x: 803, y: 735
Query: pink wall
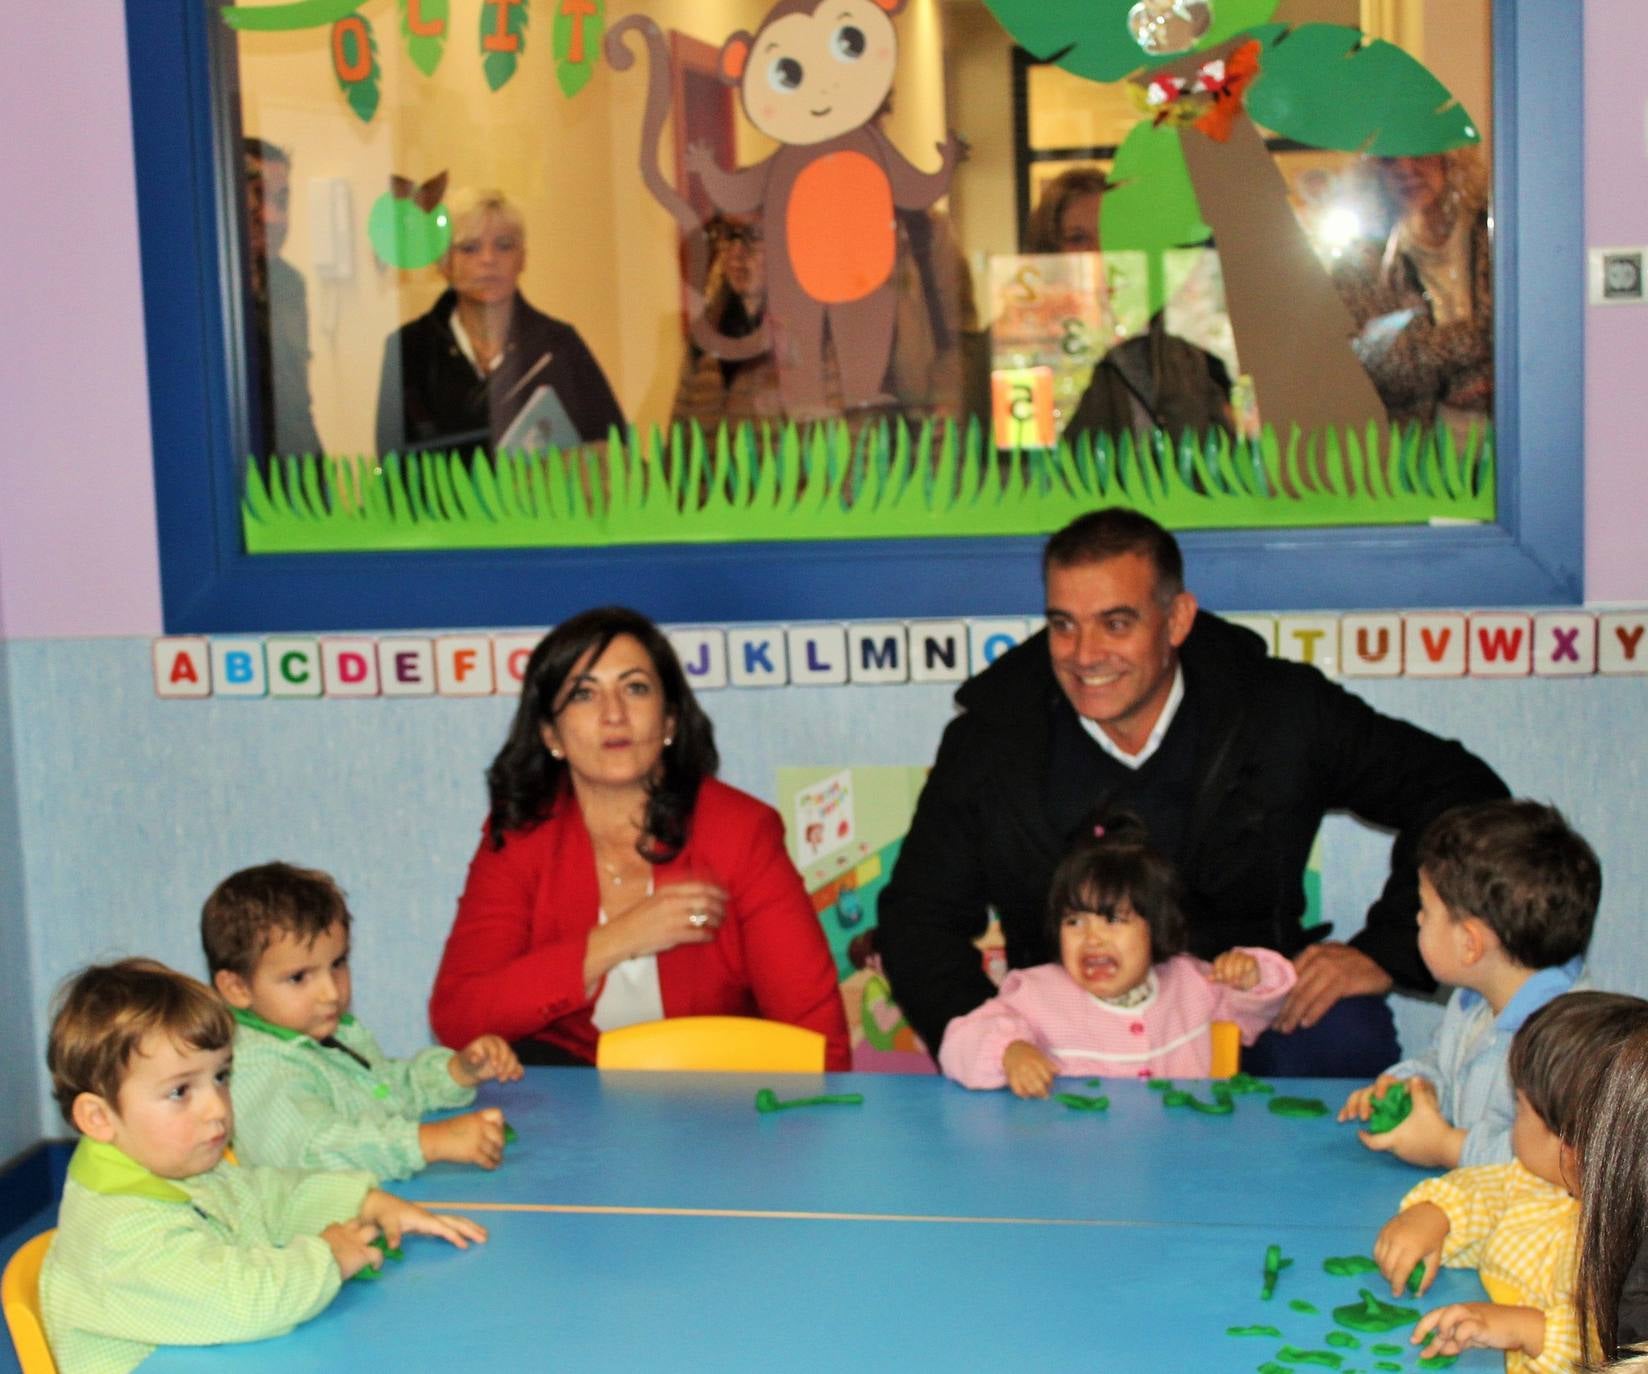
x: 77, y: 557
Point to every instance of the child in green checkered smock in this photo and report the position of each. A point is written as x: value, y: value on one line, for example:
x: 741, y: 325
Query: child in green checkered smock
x: 160, y: 1240
x: 1517, y: 1224
x: 312, y: 1087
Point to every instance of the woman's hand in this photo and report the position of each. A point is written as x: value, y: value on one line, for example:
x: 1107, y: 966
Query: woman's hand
x: 681, y: 914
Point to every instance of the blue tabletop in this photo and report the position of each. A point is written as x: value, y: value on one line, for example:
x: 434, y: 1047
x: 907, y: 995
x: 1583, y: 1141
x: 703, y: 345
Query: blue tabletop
x: 657, y: 1221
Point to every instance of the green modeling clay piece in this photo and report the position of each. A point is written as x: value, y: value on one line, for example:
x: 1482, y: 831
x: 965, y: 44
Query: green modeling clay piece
x: 1095, y: 1082
x: 1349, y: 1266
x: 1416, y: 1278
x: 1247, y: 1083
x: 1390, y: 1109
x: 1271, y: 1367
x: 766, y: 1100
x: 1331, y: 1359
x: 1387, y: 1364
x: 1300, y: 1305
x: 1343, y: 1340
x: 1077, y: 1103
x: 392, y: 1253
x: 1385, y: 1348
x: 511, y: 1135
x: 1301, y: 1107
x: 1157, y: 1084
x: 1273, y: 1332
x: 368, y: 1273
x: 1438, y: 1362
x: 1274, y: 1264
x: 1222, y: 1105
x: 1373, y: 1315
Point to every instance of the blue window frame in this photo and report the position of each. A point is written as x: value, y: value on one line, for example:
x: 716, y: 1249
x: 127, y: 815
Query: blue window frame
x: 1533, y: 555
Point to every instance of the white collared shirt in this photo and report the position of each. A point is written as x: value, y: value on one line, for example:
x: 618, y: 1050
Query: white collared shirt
x: 1170, y: 708
x: 468, y: 346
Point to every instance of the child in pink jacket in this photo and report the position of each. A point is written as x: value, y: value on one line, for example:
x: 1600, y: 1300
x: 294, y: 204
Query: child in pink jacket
x: 1123, y: 999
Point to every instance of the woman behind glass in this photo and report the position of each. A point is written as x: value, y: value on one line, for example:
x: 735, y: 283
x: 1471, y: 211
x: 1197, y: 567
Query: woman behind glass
x: 458, y: 376
x: 617, y: 881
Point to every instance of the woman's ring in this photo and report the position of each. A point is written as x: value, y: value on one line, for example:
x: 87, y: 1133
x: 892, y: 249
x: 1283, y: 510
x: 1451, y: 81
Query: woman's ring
x: 698, y: 919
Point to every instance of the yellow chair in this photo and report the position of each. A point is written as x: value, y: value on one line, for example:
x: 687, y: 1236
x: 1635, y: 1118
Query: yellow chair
x: 724, y: 1044
x: 20, y: 1296
x: 1227, y: 1049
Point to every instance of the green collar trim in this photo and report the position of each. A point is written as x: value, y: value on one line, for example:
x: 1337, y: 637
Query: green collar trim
x: 104, y: 1169
x: 252, y: 1021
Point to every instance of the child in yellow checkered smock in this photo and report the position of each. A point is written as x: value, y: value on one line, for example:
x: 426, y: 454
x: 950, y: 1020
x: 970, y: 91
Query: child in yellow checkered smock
x: 1517, y: 1224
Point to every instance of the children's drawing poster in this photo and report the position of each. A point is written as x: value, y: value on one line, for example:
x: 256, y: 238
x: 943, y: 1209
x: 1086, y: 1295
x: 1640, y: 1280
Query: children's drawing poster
x: 846, y: 826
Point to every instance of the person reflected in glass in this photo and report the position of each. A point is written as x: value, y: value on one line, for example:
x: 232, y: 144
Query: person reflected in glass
x: 1152, y: 381
x: 285, y: 422
x: 459, y: 376
x: 1422, y: 295
x: 713, y: 387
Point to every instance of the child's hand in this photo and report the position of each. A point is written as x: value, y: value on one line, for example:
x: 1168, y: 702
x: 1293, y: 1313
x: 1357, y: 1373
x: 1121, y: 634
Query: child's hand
x: 483, y: 1059
x: 1426, y: 1137
x: 1410, y: 1236
x: 1237, y: 968
x: 1029, y: 1071
x: 352, y: 1247
x: 1464, y: 1326
x: 473, y: 1138
x: 396, y: 1217
x: 1359, y: 1105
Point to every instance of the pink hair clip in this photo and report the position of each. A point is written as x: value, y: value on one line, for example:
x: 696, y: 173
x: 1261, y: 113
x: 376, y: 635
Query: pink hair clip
x: 1098, y: 832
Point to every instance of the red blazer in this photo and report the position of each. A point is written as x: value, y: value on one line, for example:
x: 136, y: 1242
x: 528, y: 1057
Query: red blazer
x: 514, y: 962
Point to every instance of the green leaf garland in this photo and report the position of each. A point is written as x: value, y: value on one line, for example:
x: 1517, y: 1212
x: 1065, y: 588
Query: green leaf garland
x: 355, y: 46
x: 577, y: 42
x: 424, y: 27
x: 501, y: 50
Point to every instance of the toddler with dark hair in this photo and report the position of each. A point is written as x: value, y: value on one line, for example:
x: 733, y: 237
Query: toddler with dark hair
x: 313, y: 1090
x: 1124, y: 998
x: 1508, y: 894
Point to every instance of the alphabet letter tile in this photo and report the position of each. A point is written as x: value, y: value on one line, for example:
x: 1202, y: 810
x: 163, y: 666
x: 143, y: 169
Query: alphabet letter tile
x: 1433, y: 644
x: 406, y: 667
x: 182, y: 667
x: 1312, y: 639
x: 349, y: 667
x: 1622, y: 642
x: 818, y: 655
x: 1502, y: 644
x: 755, y: 658
x: 703, y: 655
x: 237, y: 668
x: 1370, y: 645
x: 463, y: 666
x: 1565, y: 644
x: 878, y: 652
x: 938, y: 651
x: 990, y: 639
x: 293, y: 665
x: 509, y: 655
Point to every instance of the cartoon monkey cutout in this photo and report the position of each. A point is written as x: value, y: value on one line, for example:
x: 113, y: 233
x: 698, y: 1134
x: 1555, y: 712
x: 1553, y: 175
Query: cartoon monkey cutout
x: 815, y: 77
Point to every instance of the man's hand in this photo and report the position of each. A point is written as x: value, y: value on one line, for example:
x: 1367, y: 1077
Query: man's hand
x: 485, y: 1058
x: 1413, y: 1234
x: 1327, y: 972
x: 1029, y: 1071
x: 1464, y: 1326
x: 1426, y: 1137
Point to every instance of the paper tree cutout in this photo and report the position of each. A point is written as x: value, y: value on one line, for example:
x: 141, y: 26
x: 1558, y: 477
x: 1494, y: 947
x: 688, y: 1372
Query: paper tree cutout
x: 1196, y: 167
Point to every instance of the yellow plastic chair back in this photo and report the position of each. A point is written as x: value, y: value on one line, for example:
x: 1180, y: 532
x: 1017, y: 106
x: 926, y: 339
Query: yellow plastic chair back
x: 723, y: 1044
x: 20, y: 1296
x: 1227, y: 1049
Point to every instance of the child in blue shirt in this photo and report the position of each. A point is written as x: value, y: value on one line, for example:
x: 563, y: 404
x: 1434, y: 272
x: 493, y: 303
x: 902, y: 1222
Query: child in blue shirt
x: 1508, y: 895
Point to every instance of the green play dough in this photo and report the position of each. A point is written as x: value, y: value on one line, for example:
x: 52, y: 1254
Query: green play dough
x: 766, y: 1100
x: 1387, y: 1364
x: 1247, y: 1083
x: 1298, y: 1106
x: 1271, y: 1331
x: 1348, y: 1266
x: 1300, y: 1305
x: 1156, y: 1085
x: 1331, y: 1359
x: 1271, y: 1367
x: 1416, y: 1278
x: 1077, y: 1103
x: 1385, y: 1348
x: 1274, y: 1264
x: 1390, y: 1109
x: 1343, y: 1340
x: 1222, y: 1105
x: 511, y: 1135
x: 1095, y: 1082
x: 1373, y: 1314
x: 1438, y: 1362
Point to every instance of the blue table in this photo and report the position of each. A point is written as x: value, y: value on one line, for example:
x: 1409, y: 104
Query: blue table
x: 653, y: 1221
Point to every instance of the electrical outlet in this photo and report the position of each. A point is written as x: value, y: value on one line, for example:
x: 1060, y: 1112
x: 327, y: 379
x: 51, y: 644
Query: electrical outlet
x: 1618, y: 276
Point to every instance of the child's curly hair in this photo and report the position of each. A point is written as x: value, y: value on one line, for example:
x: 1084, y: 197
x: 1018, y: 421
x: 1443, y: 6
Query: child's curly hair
x: 1113, y: 864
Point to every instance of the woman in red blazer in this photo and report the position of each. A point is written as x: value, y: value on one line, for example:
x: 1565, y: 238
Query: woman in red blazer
x: 616, y: 880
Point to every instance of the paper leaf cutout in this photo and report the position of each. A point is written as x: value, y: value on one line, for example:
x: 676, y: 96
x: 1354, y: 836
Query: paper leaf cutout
x: 1153, y: 204
x: 301, y: 14
x: 1091, y: 38
x: 503, y: 39
x: 424, y: 26
x: 1328, y: 86
x: 577, y: 41
x: 355, y: 64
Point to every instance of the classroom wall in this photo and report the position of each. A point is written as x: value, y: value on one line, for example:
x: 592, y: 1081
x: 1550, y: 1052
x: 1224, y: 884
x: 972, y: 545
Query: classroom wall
x: 117, y: 812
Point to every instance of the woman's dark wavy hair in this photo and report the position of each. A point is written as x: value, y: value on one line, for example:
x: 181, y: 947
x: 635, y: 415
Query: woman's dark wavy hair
x: 1111, y: 863
x: 525, y: 782
x: 1612, y: 1145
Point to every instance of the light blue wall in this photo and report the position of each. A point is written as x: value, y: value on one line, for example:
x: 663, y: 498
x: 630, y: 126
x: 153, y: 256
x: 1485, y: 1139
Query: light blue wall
x: 131, y: 808
x: 21, y: 1074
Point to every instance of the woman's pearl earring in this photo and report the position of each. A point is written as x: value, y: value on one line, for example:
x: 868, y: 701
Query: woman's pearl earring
x: 555, y: 753
x: 668, y: 740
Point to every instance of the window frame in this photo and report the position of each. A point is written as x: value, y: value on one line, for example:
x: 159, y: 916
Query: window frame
x: 187, y: 199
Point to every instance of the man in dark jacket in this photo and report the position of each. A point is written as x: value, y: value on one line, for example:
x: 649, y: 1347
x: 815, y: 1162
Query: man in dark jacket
x: 1132, y: 699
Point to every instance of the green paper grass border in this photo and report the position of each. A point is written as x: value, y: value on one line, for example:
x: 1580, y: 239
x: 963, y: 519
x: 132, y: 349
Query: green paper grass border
x: 886, y: 480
